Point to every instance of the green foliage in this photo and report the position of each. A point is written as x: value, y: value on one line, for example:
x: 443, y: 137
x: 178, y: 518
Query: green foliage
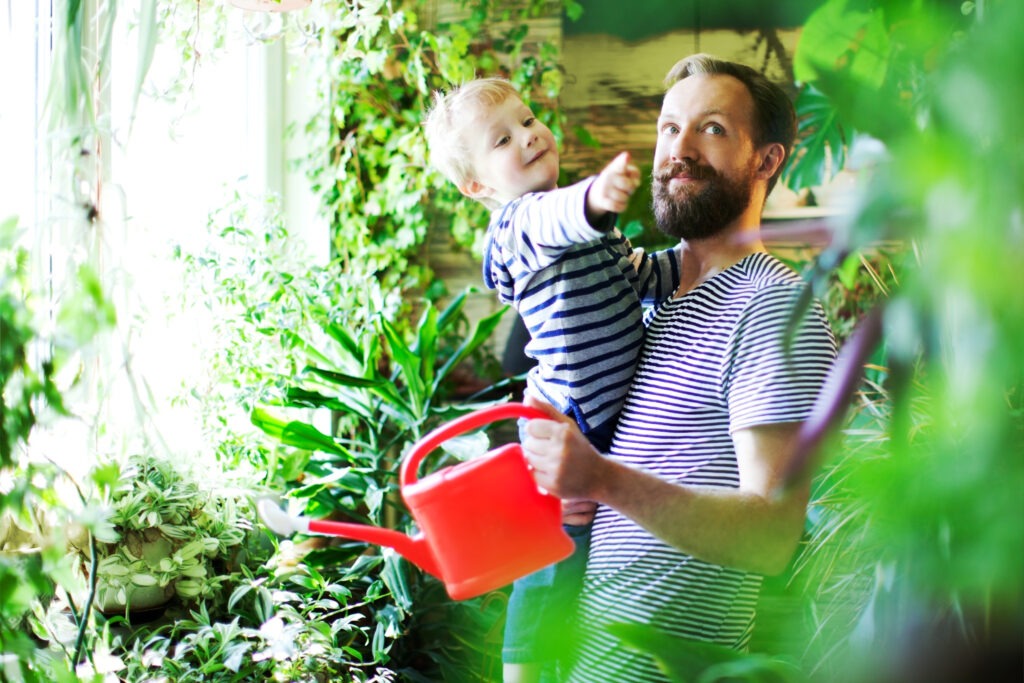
x: 917, y: 528
x: 23, y: 379
x: 699, y: 662
x: 266, y: 297
x: 382, y: 391
x: 381, y: 68
x: 341, y: 391
x: 170, y: 532
x: 286, y: 622
x: 822, y: 142
x: 34, y: 564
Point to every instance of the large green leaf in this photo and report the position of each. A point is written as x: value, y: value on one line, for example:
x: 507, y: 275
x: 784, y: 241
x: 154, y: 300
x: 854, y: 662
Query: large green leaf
x: 820, y: 151
x: 347, y: 380
x: 838, y: 37
x: 482, y: 331
x: 341, y: 335
x: 297, y: 434
x: 452, y: 311
x: 292, y: 340
x: 409, y: 365
x: 426, y: 344
x: 383, y: 388
x: 346, y: 402
x: 848, y: 52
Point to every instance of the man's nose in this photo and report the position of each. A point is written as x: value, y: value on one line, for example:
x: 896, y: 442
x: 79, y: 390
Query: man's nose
x: 683, y: 147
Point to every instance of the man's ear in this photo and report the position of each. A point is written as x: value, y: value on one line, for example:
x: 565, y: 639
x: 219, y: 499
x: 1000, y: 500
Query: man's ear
x: 772, y: 156
x: 474, y: 189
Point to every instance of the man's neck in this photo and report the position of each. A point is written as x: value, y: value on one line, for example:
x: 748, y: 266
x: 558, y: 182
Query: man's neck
x: 705, y: 258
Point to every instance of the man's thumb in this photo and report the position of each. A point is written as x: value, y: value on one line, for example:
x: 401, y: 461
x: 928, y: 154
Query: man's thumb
x: 544, y: 407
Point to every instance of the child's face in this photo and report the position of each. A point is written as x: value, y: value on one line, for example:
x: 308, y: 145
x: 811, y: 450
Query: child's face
x: 511, y: 153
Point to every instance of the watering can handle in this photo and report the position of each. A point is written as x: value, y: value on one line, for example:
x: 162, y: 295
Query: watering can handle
x: 466, y: 423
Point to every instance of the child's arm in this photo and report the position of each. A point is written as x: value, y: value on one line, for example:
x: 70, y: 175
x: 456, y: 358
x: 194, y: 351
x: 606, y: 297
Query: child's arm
x: 536, y: 229
x: 611, y: 191
x: 540, y: 226
x: 658, y: 273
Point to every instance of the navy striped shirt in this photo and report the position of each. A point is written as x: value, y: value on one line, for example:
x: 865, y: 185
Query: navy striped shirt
x: 714, y: 362
x: 580, y: 291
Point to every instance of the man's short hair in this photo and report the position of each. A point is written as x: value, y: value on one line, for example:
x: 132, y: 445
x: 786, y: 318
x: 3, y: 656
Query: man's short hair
x: 774, y: 116
x: 446, y: 123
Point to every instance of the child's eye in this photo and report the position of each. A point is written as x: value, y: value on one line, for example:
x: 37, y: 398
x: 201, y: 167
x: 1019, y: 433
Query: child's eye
x: 529, y: 121
x: 502, y: 141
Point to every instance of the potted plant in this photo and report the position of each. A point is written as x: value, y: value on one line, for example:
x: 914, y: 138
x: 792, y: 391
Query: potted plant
x: 171, y: 534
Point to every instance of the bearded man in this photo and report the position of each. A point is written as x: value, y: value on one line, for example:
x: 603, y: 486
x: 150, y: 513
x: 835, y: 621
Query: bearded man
x: 690, y: 510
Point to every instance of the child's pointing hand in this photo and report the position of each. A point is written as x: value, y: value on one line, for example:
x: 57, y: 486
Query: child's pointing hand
x: 611, y: 191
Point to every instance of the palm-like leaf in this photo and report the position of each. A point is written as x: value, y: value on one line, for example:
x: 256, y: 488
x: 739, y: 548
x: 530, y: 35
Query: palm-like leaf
x: 820, y: 152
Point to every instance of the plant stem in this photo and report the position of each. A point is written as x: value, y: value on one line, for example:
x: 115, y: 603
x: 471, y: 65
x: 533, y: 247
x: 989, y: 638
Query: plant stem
x: 90, y: 597
x: 82, y: 619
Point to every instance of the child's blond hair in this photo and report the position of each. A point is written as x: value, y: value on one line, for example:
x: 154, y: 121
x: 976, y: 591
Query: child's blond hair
x: 447, y: 121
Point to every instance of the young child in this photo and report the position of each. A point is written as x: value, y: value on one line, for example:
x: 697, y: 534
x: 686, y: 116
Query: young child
x: 556, y: 256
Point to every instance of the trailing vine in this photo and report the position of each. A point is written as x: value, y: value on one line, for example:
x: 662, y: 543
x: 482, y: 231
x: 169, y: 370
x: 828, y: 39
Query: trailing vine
x: 371, y: 169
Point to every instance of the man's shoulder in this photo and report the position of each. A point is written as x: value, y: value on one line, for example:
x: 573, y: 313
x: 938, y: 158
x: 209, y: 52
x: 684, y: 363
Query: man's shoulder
x: 765, y: 286
x: 758, y: 278
x: 763, y: 270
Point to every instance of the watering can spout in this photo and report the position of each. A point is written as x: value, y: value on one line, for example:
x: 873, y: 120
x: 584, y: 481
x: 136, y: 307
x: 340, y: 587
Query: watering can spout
x: 416, y: 549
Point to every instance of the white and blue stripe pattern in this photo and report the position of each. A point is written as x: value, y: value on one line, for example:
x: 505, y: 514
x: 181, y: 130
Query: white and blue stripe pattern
x: 581, y: 292
x: 713, y: 363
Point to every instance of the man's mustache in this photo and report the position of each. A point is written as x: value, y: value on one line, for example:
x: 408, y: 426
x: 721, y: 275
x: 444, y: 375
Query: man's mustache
x: 692, y: 169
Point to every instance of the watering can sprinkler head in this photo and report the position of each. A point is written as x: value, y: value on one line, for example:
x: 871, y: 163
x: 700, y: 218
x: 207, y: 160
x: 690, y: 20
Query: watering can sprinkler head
x: 279, y: 521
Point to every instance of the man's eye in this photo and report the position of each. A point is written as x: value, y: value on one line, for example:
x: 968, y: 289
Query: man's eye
x: 670, y: 129
x: 715, y: 129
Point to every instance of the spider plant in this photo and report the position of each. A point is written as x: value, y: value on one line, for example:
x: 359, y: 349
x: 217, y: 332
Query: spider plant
x: 174, y: 533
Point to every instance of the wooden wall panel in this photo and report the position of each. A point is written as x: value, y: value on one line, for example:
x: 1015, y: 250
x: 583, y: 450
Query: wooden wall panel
x: 614, y: 88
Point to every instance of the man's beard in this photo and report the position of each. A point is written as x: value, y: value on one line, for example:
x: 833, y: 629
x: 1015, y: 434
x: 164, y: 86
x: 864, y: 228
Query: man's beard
x: 696, y: 214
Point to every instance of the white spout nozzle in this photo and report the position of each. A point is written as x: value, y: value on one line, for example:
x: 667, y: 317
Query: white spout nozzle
x: 279, y: 521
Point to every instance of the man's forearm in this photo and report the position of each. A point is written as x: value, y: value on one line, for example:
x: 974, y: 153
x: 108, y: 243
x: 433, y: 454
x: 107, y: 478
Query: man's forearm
x: 755, y: 527
x: 738, y: 528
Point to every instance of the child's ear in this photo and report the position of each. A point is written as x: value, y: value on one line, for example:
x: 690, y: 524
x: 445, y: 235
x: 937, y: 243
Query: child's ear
x: 474, y: 189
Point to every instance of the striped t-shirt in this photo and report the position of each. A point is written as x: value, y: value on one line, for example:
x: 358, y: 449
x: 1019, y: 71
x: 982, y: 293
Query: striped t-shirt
x: 580, y: 291
x: 714, y: 362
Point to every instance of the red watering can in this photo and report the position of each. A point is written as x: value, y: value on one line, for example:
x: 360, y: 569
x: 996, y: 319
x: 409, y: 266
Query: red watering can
x: 483, y: 523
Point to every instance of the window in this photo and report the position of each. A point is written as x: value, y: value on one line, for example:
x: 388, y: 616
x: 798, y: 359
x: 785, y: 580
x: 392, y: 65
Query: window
x: 153, y: 179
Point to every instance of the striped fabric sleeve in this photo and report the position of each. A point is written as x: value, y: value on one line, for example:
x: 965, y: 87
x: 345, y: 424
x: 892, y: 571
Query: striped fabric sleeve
x: 657, y: 273
x: 764, y: 379
x: 538, y: 227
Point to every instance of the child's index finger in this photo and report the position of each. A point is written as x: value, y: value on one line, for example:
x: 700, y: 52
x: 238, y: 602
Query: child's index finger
x: 622, y: 162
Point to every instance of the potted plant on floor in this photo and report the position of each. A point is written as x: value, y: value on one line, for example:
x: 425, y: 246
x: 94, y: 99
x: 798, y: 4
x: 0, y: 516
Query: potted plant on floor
x: 172, y: 535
